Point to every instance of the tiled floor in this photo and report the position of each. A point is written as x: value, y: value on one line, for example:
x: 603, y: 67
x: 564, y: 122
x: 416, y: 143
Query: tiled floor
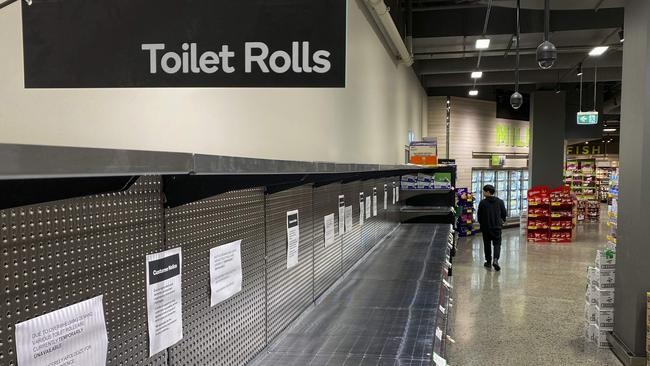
x: 530, y: 313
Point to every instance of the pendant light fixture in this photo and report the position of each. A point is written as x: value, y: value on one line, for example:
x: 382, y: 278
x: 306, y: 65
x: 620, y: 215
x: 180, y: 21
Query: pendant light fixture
x: 516, y: 99
x: 546, y: 51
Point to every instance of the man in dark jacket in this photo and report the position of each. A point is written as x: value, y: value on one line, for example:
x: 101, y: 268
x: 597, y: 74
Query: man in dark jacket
x: 491, y: 215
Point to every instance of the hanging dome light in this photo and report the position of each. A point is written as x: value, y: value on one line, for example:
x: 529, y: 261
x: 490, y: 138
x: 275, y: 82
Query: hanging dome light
x: 516, y: 100
x: 546, y: 55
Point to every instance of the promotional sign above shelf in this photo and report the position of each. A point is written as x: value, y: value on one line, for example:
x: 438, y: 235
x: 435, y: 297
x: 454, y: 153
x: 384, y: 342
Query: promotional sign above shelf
x: 170, y: 43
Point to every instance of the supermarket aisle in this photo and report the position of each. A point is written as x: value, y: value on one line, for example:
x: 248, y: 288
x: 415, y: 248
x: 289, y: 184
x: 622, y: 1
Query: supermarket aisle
x: 530, y: 313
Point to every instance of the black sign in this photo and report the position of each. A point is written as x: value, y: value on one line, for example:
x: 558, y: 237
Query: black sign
x: 164, y: 269
x: 292, y: 220
x: 184, y: 43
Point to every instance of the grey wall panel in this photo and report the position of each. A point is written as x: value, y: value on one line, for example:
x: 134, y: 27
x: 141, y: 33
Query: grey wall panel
x: 233, y: 331
x: 352, y: 249
x: 327, y: 260
x: 59, y: 253
x: 289, y: 291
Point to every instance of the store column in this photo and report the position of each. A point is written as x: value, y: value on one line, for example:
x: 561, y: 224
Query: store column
x: 546, y: 162
x: 633, y: 249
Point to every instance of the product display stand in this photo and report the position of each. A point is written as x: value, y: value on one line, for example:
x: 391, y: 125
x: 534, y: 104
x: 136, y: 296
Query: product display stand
x: 539, y: 214
x: 563, y: 215
x: 612, y: 211
x: 580, y: 176
x: 465, y: 224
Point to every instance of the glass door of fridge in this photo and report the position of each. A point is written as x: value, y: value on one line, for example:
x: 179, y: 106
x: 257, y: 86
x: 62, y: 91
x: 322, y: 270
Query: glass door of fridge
x: 524, y: 190
x: 514, y: 193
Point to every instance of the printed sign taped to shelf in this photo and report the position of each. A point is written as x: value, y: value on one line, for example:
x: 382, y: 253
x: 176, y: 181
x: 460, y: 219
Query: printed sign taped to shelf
x: 75, y: 334
x: 203, y: 43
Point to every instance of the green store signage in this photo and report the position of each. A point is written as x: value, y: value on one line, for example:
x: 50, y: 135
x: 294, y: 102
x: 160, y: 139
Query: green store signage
x: 513, y: 136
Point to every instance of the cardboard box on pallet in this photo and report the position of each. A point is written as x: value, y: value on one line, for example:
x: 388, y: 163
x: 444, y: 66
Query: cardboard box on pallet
x: 604, y: 279
x: 603, y: 261
x: 604, y: 317
x: 599, y: 336
x: 603, y: 298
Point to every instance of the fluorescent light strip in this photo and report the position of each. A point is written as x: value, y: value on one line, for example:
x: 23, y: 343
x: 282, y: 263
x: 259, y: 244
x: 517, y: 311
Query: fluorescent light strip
x: 598, y: 51
x: 473, y: 92
x: 477, y: 74
x: 482, y: 43
x: 609, y: 130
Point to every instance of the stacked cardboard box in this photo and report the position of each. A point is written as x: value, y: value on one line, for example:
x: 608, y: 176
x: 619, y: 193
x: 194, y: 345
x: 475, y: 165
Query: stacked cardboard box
x: 599, y: 307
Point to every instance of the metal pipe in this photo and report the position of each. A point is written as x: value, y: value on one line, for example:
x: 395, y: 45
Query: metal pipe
x: 547, y: 19
x: 381, y: 13
x: 7, y: 3
x: 518, y: 39
x: 409, y: 26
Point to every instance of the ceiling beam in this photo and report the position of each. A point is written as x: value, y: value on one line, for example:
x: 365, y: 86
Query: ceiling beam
x: 469, y: 22
x: 565, y: 61
x: 526, y: 77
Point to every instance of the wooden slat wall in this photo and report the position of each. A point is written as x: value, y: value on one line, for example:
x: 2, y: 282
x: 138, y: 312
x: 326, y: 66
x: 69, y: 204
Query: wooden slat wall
x: 473, y: 129
x: 437, y: 119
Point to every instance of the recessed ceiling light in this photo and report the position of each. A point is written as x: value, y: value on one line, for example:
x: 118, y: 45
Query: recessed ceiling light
x: 473, y: 92
x: 597, y: 51
x: 609, y: 130
x: 482, y: 43
x: 477, y: 74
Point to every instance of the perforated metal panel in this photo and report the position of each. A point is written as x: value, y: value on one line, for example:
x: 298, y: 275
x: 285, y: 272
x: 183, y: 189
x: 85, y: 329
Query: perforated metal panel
x: 327, y: 260
x: 369, y: 230
x: 55, y: 254
x: 289, y: 291
x: 233, y: 331
x: 352, y: 249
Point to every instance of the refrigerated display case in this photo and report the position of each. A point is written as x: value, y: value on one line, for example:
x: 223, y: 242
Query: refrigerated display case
x: 511, y: 186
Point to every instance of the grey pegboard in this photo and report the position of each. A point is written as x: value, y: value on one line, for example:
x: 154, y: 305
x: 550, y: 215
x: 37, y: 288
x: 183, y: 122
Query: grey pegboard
x: 327, y: 260
x: 352, y: 249
x: 369, y: 230
x: 233, y: 331
x: 289, y: 291
x: 59, y: 253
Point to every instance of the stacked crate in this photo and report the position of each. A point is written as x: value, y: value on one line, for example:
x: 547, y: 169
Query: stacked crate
x: 599, y: 309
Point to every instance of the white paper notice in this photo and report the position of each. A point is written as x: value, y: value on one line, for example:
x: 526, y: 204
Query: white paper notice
x: 439, y: 361
x: 293, y: 238
x: 341, y: 215
x: 329, y: 229
x: 348, y: 218
x: 385, y: 196
x: 164, y: 299
x: 74, y: 335
x: 442, y: 309
x: 225, y: 272
x: 438, y: 333
x: 362, y: 210
x: 374, y: 202
x: 397, y: 193
x: 368, y: 207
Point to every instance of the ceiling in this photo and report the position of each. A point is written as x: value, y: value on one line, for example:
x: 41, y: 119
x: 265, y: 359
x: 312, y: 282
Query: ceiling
x: 444, y: 33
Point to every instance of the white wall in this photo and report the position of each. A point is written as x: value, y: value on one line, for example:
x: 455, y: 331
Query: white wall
x: 367, y: 122
x: 472, y: 129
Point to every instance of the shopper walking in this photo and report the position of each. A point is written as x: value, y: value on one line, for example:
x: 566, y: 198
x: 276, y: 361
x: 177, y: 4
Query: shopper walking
x: 491, y: 216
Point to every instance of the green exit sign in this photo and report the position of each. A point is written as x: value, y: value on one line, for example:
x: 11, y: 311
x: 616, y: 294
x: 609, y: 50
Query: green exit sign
x: 587, y: 118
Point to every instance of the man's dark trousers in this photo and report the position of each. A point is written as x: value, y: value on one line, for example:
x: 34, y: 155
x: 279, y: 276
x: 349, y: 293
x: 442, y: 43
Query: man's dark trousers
x: 492, y: 238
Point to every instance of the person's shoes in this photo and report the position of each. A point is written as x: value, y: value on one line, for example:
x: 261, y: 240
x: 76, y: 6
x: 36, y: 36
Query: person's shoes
x: 486, y: 264
x: 496, y: 266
